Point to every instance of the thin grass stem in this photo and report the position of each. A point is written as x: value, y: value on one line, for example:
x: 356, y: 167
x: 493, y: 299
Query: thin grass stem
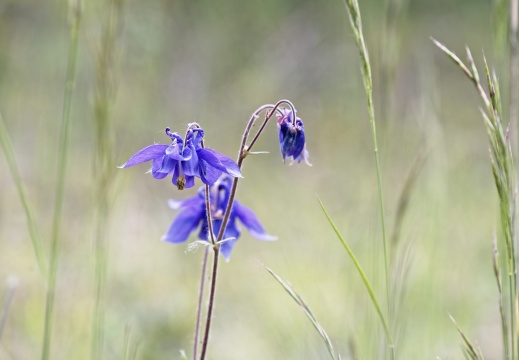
x: 356, y: 24
x: 74, y: 26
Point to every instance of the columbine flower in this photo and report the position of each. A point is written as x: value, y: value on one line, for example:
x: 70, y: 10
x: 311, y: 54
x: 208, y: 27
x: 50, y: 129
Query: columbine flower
x: 292, y: 137
x: 185, y: 160
x: 193, y: 214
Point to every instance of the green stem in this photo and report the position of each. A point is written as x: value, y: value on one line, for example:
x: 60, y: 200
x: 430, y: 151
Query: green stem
x: 60, y: 183
x: 356, y: 24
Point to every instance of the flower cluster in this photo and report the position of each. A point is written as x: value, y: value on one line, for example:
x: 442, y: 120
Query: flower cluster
x: 193, y: 214
x: 292, y: 136
x: 185, y: 159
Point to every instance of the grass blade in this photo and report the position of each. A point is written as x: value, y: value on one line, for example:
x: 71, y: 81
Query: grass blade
x: 469, y: 349
x: 308, y: 312
x: 365, y: 280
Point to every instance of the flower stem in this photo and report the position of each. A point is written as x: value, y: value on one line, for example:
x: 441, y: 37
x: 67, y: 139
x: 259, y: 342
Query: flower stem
x: 200, y: 299
x: 202, y: 280
x: 216, y: 247
x: 209, y: 215
x: 211, y: 301
x: 267, y: 118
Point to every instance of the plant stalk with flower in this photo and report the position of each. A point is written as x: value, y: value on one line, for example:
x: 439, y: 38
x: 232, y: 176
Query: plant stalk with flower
x: 187, y: 158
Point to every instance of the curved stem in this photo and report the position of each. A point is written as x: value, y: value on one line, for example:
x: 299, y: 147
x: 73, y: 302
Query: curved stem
x: 244, y: 149
x: 269, y: 115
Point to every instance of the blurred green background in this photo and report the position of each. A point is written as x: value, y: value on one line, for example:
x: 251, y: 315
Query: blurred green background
x: 215, y: 63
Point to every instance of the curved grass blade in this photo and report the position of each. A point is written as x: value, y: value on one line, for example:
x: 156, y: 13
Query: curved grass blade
x: 299, y: 300
x: 365, y: 280
x: 469, y: 349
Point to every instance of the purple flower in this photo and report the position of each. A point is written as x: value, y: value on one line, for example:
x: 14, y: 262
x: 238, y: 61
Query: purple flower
x: 292, y: 137
x: 193, y: 215
x: 185, y: 160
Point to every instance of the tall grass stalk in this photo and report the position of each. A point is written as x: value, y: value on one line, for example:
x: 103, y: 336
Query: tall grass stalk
x: 501, y: 158
x: 356, y: 25
x: 74, y: 26
x: 34, y: 234
x: 104, y: 161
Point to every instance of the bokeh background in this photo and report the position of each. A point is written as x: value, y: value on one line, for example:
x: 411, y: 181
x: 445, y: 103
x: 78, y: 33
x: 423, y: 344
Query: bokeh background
x: 215, y: 62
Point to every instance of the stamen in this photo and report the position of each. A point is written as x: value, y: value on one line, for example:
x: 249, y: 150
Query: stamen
x: 181, y: 182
